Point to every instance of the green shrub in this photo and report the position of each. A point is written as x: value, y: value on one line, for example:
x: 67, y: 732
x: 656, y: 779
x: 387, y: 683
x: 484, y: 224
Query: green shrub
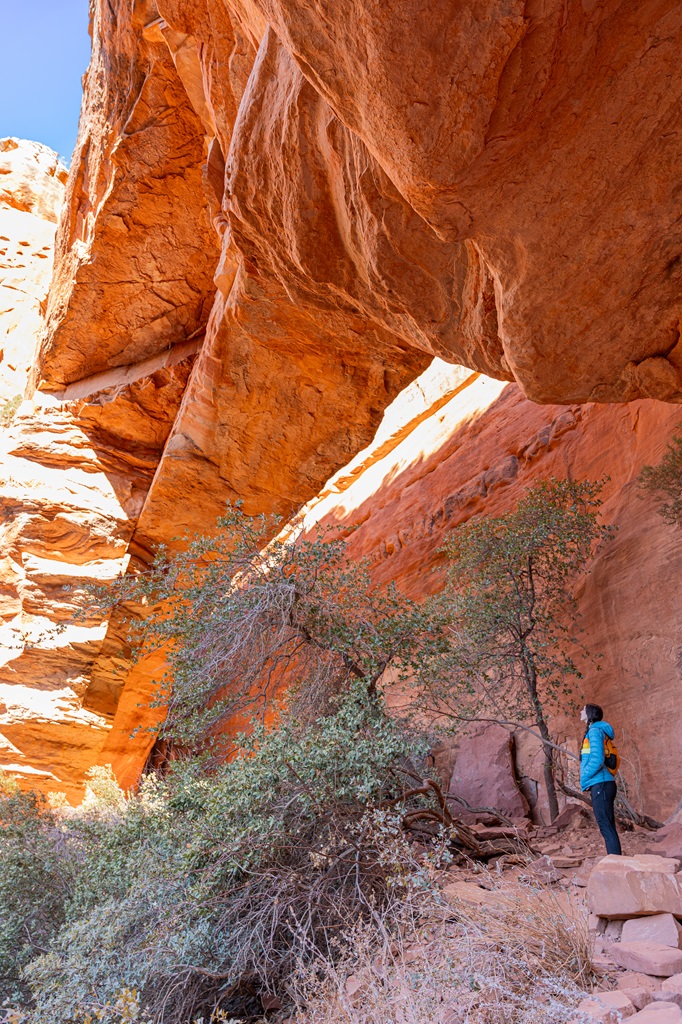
x: 34, y: 881
x: 8, y: 410
x: 663, y: 482
x: 206, y: 889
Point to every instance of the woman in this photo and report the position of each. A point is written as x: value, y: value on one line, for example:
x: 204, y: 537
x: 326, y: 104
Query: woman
x: 595, y: 777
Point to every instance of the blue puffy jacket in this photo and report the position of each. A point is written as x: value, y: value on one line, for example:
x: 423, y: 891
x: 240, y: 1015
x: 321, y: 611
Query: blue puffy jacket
x: 592, y: 767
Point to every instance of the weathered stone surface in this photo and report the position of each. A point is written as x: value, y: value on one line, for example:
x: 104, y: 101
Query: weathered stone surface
x: 31, y: 189
x: 647, y: 957
x: 634, y: 887
x: 483, y: 775
x: 32, y: 179
x: 660, y: 928
x: 136, y: 249
x: 74, y: 471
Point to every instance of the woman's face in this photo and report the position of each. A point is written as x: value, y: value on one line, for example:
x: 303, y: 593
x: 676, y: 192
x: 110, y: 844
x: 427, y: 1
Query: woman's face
x: 583, y: 715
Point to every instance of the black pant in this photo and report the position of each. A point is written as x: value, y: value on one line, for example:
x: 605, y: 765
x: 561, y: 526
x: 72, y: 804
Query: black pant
x: 603, y: 797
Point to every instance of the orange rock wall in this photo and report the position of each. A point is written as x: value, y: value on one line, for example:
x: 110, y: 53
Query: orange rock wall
x: 274, y: 219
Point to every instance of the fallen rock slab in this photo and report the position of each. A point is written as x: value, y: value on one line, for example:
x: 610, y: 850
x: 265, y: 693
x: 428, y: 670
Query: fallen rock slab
x: 634, y: 979
x: 668, y: 842
x: 483, y: 775
x: 660, y: 928
x: 635, y: 886
x: 658, y: 1013
x: 647, y: 957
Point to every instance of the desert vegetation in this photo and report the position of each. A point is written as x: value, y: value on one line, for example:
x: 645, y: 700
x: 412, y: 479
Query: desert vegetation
x: 265, y: 868
x: 662, y: 483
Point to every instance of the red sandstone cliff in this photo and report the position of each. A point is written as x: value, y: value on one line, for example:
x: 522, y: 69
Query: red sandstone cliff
x: 273, y: 221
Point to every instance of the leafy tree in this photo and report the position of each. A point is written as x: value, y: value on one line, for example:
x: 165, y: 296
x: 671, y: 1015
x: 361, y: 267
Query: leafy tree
x: 663, y: 482
x: 236, y: 615
x: 512, y: 615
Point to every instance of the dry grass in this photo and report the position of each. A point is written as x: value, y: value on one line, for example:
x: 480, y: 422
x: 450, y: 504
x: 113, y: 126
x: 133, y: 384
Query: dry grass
x: 538, y: 923
x: 520, y: 956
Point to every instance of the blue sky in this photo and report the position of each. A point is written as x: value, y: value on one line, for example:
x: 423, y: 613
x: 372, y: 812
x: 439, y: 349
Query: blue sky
x: 44, y: 50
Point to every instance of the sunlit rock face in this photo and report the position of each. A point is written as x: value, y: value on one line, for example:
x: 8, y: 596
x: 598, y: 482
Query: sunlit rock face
x: 277, y: 215
x: 74, y: 472
x: 31, y: 190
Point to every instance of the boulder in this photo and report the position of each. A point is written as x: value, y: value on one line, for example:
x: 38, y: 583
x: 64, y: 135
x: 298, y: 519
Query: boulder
x: 639, y: 997
x: 647, y: 957
x: 668, y: 842
x: 484, y: 772
x: 658, y: 1013
x: 660, y: 928
x: 573, y: 815
x: 544, y: 870
x: 635, y: 886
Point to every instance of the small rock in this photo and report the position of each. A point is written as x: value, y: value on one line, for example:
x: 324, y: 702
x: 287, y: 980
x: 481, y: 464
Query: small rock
x: 661, y: 928
x: 668, y: 997
x: 543, y: 868
x: 596, y: 925
x: 613, y: 930
x: 567, y: 862
x: 639, y: 997
x: 672, y: 984
x: 647, y: 957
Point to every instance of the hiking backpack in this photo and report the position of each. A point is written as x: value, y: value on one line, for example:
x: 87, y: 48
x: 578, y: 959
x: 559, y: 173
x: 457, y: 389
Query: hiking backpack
x: 611, y: 756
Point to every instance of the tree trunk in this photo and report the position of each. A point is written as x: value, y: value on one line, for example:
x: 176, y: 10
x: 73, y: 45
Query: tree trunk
x: 548, y: 766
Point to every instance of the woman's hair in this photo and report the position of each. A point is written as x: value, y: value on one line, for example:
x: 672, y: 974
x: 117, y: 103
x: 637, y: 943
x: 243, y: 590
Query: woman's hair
x: 594, y: 713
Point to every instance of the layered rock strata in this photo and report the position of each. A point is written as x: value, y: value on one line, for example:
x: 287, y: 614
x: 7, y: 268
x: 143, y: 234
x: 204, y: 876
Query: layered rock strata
x: 74, y: 471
